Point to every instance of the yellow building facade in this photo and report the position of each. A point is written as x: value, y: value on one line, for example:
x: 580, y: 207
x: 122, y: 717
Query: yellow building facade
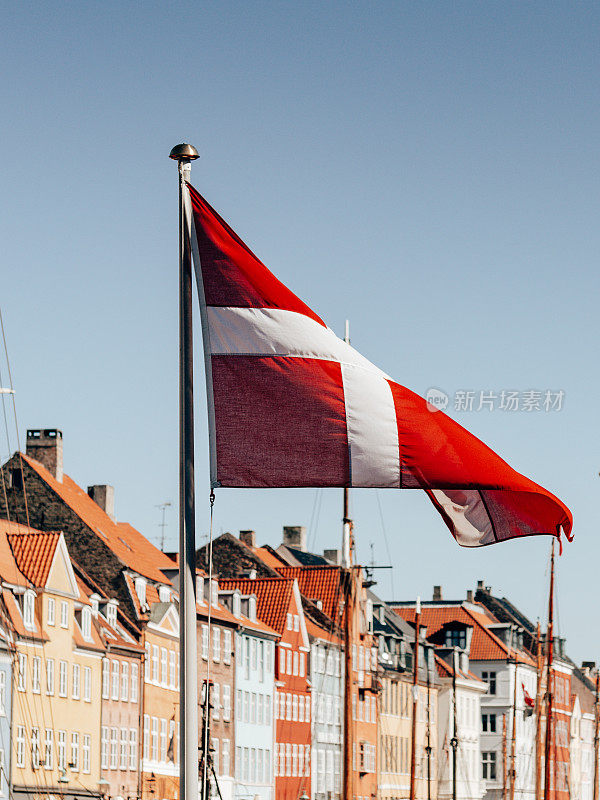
x: 57, y: 656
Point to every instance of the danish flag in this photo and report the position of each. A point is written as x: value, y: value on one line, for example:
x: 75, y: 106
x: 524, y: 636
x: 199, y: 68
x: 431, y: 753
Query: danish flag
x: 291, y: 404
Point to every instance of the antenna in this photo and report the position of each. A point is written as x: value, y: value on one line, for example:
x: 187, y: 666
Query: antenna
x: 162, y: 524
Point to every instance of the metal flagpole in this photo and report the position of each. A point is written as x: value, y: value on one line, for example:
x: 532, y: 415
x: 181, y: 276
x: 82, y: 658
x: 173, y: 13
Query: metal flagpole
x: 184, y: 154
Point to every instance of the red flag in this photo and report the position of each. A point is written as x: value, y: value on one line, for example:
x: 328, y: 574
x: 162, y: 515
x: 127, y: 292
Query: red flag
x: 529, y: 701
x: 291, y: 404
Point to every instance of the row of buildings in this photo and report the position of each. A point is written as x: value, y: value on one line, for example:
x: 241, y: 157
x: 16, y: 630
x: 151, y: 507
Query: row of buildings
x: 89, y: 668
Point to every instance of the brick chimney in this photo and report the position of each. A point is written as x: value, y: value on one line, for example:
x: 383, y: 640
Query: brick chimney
x: 437, y: 592
x: 248, y: 538
x: 295, y: 536
x: 104, y: 496
x: 335, y: 556
x: 46, y: 446
x: 469, y: 595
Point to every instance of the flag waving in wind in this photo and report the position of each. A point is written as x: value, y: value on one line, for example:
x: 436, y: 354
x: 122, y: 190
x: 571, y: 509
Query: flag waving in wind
x: 291, y: 404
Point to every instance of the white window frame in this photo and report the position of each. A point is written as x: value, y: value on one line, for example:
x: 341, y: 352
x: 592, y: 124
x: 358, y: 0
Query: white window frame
x: 74, y: 752
x: 63, y: 680
x: 76, y: 682
x: 51, y: 612
x: 64, y: 614
x: 87, y: 753
x: 87, y: 684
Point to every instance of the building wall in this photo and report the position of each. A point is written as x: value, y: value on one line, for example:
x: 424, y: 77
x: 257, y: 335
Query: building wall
x: 395, y: 738
x: 327, y: 685
x: 254, y: 741
x: 6, y: 662
x: 216, y: 658
x: 120, y: 725
x: 292, y: 766
x: 160, y: 772
x: 500, y: 703
x: 469, y: 784
x: 39, y: 708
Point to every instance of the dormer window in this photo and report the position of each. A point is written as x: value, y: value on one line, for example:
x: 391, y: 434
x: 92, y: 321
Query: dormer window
x: 94, y: 600
x: 28, y: 609
x: 111, y: 613
x: 456, y: 638
x: 214, y: 593
x: 140, y: 590
x: 237, y: 605
x: 164, y: 594
x: 86, y: 622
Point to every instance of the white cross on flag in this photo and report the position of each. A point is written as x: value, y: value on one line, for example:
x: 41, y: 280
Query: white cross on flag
x: 291, y: 404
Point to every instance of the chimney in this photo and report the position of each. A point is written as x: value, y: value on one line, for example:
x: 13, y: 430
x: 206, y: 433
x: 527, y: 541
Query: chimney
x: 46, y: 446
x: 248, y: 538
x: 437, y: 592
x: 335, y: 556
x: 295, y: 536
x: 479, y: 586
x: 469, y: 595
x: 104, y: 496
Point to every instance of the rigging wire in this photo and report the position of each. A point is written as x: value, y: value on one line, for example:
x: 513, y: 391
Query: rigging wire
x: 387, y: 545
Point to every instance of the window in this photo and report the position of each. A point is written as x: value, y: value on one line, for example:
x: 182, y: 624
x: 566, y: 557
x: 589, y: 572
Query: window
x: 86, y: 623
x: 64, y: 614
x: 3, y: 693
x: 114, y: 748
x: 147, y: 660
x: 281, y: 661
x: 62, y: 750
x: 226, y: 702
x: 124, y: 683
x: 290, y: 622
x: 115, y: 680
x: 48, y: 749
x: 247, y: 658
x: 133, y: 696
x: 146, y: 742
x: 164, y: 671
x: 87, y: 746
x: 22, y: 675
x: 296, y: 622
x: 105, y: 678
x: 62, y: 678
x: 171, y: 747
x: 295, y: 662
x: 49, y: 676
x: 111, y: 614
x: 28, y: 609
x: 226, y: 647
x: 87, y: 684
x: 456, y: 638
x: 215, y: 755
x: 295, y: 708
x: 140, y: 590
x: 216, y: 644
x: 225, y: 757
x: 488, y: 723
x: 289, y: 662
x: 20, y: 755
x: 302, y: 664
x: 74, y: 752
x: 488, y: 766
x: 155, y: 663
x: 104, y: 747
x: 35, y: 748
x: 76, y: 679
x: 267, y: 709
x: 51, y: 611
x: 215, y: 700
x: 253, y: 657
x: 132, y: 749
x: 490, y: 679
x: 154, y: 740
x: 123, y: 749
x: 172, y: 669
x: 205, y: 642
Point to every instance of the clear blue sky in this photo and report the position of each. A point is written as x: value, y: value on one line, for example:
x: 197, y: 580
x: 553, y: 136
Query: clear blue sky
x: 428, y: 170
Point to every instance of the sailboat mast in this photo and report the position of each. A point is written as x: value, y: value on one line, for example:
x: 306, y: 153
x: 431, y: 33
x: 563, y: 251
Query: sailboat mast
x: 549, y: 659
x: 513, y: 733
x: 184, y: 154
x: 538, y: 716
x: 415, y: 688
x: 454, y: 740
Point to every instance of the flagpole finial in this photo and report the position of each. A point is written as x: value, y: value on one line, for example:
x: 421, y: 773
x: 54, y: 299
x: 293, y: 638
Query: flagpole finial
x: 184, y: 152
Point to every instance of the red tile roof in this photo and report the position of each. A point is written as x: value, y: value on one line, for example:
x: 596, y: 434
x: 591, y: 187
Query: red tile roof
x: 445, y: 670
x: 128, y: 544
x: 485, y: 645
x: 34, y: 553
x: 9, y: 571
x: 318, y: 632
x: 318, y: 583
x: 273, y: 597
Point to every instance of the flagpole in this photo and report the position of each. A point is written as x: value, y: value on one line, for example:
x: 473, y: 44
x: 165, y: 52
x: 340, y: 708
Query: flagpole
x: 184, y: 154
